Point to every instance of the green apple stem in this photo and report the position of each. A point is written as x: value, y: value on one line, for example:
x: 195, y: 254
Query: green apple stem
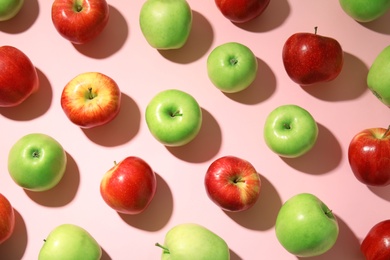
x: 166, y: 250
x: 176, y: 113
x: 233, y: 61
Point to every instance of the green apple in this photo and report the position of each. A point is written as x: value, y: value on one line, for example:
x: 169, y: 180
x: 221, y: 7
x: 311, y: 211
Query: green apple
x: 9, y: 9
x: 69, y: 241
x: 290, y: 131
x: 166, y: 24
x: 37, y: 162
x: 232, y: 67
x: 191, y: 241
x: 305, y: 226
x: 378, y: 78
x: 173, y: 117
x: 365, y: 10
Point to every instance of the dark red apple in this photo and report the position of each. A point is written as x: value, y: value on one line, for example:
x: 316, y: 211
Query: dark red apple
x: 376, y: 244
x: 18, y: 77
x: 129, y: 186
x: 7, y: 219
x: 79, y: 21
x: 369, y: 156
x: 232, y: 183
x: 241, y: 11
x: 310, y: 58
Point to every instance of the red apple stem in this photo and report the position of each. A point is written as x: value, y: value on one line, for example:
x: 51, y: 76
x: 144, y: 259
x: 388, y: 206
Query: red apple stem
x: 387, y: 131
x: 90, y: 93
x: 315, y: 29
x: 166, y: 250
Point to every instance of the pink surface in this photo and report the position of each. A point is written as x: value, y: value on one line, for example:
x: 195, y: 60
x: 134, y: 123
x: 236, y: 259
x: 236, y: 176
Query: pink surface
x: 232, y: 125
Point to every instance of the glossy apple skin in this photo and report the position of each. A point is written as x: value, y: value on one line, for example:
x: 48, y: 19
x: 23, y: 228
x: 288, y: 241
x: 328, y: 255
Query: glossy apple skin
x: 91, y: 99
x: 241, y: 11
x: 129, y: 186
x: 309, y: 58
x: 18, y: 77
x: 232, y: 67
x: 80, y: 21
x: 376, y: 244
x: 305, y: 226
x: 7, y: 219
x: 365, y: 10
x: 9, y: 9
x: 369, y: 156
x: 232, y: 183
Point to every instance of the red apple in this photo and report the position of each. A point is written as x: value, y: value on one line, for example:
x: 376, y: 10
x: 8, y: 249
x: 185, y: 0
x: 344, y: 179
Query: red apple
x: 91, y: 99
x: 7, y: 219
x: 80, y: 21
x: 310, y: 58
x: 232, y: 183
x: 18, y: 77
x: 376, y: 244
x: 241, y: 11
x: 129, y: 186
x: 369, y: 156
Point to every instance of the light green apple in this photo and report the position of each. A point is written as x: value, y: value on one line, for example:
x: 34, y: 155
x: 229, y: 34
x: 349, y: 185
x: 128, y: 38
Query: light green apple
x: 290, y: 131
x: 232, y: 67
x: 192, y: 241
x: 70, y: 242
x: 365, y: 10
x: 37, y: 162
x: 173, y: 117
x: 9, y: 9
x: 378, y: 78
x: 166, y: 24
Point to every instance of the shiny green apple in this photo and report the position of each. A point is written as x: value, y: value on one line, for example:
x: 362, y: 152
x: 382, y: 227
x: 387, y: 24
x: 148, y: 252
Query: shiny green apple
x: 9, y: 9
x: 69, y: 241
x: 365, y: 10
x: 37, y: 162
x: 378, y: 78
x: 191, y: 241
x: 305, y: 226
x: 173, y: 117
x: 232, y: 67
x: 166, y: 24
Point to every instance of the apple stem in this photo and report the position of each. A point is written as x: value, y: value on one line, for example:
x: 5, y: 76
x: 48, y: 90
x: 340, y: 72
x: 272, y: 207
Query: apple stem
x: 90, y: 93
x: 387, y: 131
x: 233, y: 61
x: 315, y: 29
x: 166, y: 250
x: 176, y: 113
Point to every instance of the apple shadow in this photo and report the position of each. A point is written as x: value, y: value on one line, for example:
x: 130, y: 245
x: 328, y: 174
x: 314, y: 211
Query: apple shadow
x: 121, y: 129
x: 274, y: 16
x: 263, y: 214
x: 382, y: 192
x: 379, y: 25
x: 205, y: 145
x: 35, y: 105
x: 350, y: 83
x: 161, y: 206
x: 325, y: 155
x: 234, y: 255
x: 261, y: 88
x: 111, y: 39
x: 347, y: 246
x: 198, y: 43
x: 64, y: 192
x: 105, y: 255
x: 26, y: 17
x: 15, y: 246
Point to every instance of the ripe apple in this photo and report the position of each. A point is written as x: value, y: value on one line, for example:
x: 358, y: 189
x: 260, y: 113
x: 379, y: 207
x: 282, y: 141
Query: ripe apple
x: 310, y: 58
x: 173, y: 117
x: 241, y: 11
x: 232, y: 67
x: 37, y: 162
x: 80, y: 21
x: 166, y: 24
x: 7, y: 219
x: 369, y: 156
x: 365, y: 10
x: 192, y: 241
x: 378, y: 77
x: 290, y: 131
x: 376, y: 244
x: 91, y: 99
x: 69, y: 241
x: 305, y: 226
x: 18, y: 77
x: 9, y: 9
x: 129, y: 186
x: 232, y: 183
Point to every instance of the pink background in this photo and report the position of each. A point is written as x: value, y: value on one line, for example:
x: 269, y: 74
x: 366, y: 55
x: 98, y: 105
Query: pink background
x: 232, y: 125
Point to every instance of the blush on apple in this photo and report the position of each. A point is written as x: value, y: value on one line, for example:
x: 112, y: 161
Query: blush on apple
x: 7, y: 219
x: 376, y: 244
